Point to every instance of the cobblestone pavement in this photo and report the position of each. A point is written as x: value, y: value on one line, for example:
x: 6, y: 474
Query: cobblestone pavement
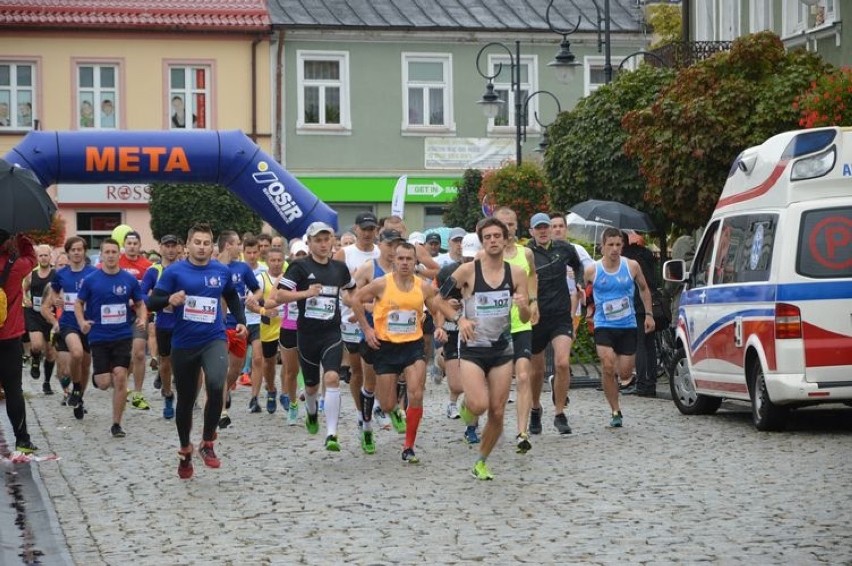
x: 665, y: 489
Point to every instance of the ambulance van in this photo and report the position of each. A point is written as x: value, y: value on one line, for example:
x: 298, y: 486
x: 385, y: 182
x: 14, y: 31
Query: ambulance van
x: 766, y: 312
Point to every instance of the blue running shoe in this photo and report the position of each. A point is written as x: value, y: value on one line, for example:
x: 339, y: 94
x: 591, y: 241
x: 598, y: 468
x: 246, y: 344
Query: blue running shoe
x: 169, y: 407
x: 284, y: 399
x: 470, y: 435
x: 271, y: 405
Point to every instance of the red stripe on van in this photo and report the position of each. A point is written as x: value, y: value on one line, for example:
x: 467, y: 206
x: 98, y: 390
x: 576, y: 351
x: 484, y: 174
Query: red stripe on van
x: 757, y: 191
x: 720, y: 345
x: 721, y: 386
x: 826, y: 348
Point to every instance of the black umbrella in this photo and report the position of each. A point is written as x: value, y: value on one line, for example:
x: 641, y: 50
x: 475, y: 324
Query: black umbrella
x: 614, y: 214
x: 24, y: 202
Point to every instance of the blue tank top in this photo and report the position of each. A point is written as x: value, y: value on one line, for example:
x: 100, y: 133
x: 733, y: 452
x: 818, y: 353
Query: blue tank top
x: 377, y: 272
x: 613, y: 294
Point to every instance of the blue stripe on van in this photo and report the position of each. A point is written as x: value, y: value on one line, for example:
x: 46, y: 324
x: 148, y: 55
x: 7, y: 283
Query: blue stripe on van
x: 745, y: 313
x: 815, y: 291
x: 750, y: 293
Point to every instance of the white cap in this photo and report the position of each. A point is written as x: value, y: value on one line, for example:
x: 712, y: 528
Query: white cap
x: 417, y: 238
x: 471, y: 245
x: 317, y: 228
x: 298, y: 246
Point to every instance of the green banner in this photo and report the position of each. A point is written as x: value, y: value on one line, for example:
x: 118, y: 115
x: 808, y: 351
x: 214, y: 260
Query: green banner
x: 380, y: 189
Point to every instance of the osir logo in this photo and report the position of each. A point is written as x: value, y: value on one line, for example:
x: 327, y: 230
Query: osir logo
x: 277, y: 194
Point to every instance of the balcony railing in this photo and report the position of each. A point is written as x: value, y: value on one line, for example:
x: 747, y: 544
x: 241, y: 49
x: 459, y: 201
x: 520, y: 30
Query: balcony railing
x: 680, y: 54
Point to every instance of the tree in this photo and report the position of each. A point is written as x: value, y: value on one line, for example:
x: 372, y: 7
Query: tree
x: 665, y: 20
x: 466, y: 210
x: 525, y: 189
x: 175, y: 208
x: 687, y: 139
x: 54, y: 236
x: 828, y: 101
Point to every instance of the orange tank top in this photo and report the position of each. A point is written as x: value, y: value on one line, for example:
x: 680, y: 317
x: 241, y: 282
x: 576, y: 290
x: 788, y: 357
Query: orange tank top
x: 398, y: 314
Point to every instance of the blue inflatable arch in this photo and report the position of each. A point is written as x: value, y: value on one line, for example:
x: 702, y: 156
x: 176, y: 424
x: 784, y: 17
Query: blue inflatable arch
x: 228, y: 158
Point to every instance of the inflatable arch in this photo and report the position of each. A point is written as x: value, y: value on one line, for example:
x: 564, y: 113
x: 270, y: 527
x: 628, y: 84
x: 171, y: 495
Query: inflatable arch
x: 228, y: 158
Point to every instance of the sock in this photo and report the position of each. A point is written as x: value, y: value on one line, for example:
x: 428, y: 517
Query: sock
x: 78, y: 389
x: 368, y: 399
x: 48, y: 370
x: 332, y: 409
x: 311, y: 403
x: 412, y: 421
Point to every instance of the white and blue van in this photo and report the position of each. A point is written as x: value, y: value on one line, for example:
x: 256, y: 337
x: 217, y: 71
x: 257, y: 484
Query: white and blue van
x: 766, y: 312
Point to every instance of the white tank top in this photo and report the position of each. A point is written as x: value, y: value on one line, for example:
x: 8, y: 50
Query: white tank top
x: 354, y: 258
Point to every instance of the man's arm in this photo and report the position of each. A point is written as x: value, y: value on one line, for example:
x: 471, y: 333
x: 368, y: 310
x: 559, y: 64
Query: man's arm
x: 532, y: 286
x: 430, y: 267
x: 644, y: 293
x: 366, y: 294
x: 521, y: 293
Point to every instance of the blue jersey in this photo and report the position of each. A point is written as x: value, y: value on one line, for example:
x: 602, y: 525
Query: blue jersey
x: 108, y: 297
x: 242, y: 277
x: 199, y: 320
x: 165, y: 319
x: 67, y: 283
x: 613, y: 293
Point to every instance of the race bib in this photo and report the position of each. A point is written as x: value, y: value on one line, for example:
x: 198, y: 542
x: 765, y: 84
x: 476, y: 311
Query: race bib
x: 114, y: 314
x: 292, y: 311
x: 320, y: 308
x: 70, y: 299
x: 492, y: 304
x: 351, y: 332
x: 200, y: 309
x: 617, y: 309
x: 37, y: 304
x: 402, y: 322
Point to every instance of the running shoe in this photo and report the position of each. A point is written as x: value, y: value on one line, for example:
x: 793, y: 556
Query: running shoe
x: 185, y: 463
x: 271, y: 404
x: 116, y: 431
x: 35, y: 370
x: 25, y: 447
x: 453, y: 411
x: 64, y: 381
x: 208, y: 455
x: 470, y: 435
x: 293, y: 414
x: 169, y: 407
x: 331, y: 443
x: 155, y: 365
x: 409, y: 457
x: 245, y: 379
x: 284, y: 399
x: 46, y: 388
x: 158, y: 381
x: 616, y: 420
x: 524, y: 444
x: 465, y: 414
x: 481, y: 472
x: 75, y: 398
x: 139, y: 402
x: 535, y: 421
x: 368, y: 444
x: 322, y: 405
x: 228, y: 400
x: 312, y: 423
x: 381, y: 418
x: 79, y: 410
x: 560, y: 421
x: 435, y: 375
x: 253, y: 406
x: 224, y: 420
x: 397, y: 418
x: 64, y: 399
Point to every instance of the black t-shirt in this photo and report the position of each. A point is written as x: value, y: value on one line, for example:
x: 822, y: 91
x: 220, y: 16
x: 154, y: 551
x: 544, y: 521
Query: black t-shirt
x: 554, y: 297
x: 648, y: 264
x: 448, y: 290
x: 320, y: 313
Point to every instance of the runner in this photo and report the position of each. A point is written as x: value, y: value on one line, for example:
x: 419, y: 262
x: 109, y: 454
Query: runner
x: 270, y: 322
x: 34, y: 288
x: 195, y: 289
x: 101, y: 312
x: 613, y: 279
x: 489, y: 286
x: 135, y: 263
x: 251, y: 256
x: 289, y: 353
x: 315, y: 283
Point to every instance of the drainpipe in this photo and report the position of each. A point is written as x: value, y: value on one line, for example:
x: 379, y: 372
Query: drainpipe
x: 254, y: 44
x: 278, y: 103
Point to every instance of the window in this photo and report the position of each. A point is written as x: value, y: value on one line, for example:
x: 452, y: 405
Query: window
x: 97, y: 96
x: 595, y: 73
x: 745, y: 249
x: 17, y: 88
x: 95, y: 227
x: 760, y: 15
x: 427, y: 95
x: 323, y: 83
x: 189, y: 97
x: 729, y: 25
x: 824, y: 249
x: 705, y: 20
x: 702, y: 265
x: 795, y: 17
x: 501, y: 65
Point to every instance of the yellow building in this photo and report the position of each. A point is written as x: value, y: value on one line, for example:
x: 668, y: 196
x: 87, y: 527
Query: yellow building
x: 146, y: 65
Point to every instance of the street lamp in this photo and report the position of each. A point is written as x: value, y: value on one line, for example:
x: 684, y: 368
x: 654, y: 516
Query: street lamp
x: 564, y: 62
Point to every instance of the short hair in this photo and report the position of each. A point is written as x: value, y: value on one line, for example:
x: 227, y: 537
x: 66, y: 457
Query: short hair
x: 250, y: 241
x: 556, y: 214
x: 275, y: 250
x: 264, y: 237
x: 110, y: 241
x: 75, y: 240
x: 611, y: 232
x: 202, y: 227
x: 504, y: 209
x: 225, y: 237
x: 487, y: 223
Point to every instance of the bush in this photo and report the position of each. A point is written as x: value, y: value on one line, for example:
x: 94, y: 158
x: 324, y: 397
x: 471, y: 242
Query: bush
x: 828, y: 102
x: 524, y: 189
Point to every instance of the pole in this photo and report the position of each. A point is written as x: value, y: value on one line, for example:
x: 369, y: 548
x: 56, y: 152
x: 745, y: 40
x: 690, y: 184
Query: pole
x: 607, y: 40
x: 516, y: 86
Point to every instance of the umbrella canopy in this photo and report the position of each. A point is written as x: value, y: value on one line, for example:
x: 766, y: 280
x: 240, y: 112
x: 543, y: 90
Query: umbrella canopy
x: 24, y: 202
x: 615, y: 214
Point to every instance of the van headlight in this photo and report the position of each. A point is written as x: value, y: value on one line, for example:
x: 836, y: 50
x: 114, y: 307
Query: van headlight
x: 814, y: 166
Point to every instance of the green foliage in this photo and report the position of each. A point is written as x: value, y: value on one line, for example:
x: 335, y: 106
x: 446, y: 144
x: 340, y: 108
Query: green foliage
x: 53, y: 236
x: 665, y: 20
x: 524, y: 189
x: 466, y: 210
x: 585, y: 158
x: 828, y: 101
x: 686, y: 140
x: 174, y: 208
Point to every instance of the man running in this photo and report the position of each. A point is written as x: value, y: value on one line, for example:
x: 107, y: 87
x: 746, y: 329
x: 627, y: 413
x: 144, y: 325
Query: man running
x: 194, y: 289
x: 289, y: 352
x: 135, y: 263
x: 34, y: 288
x: 101, y: 311
x: 270, y: 322
x: 315, y: 283
x: 490, y: 286
x: 614, y: 279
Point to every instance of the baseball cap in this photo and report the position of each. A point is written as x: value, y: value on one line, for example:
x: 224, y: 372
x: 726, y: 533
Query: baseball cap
x: 471, y: 245
x: 433, y: 237
x: 366, y: 220
x: 297, y: 247
x: 389, y: 234
x: 417, y: 238
x: 317, y: 228
x: 457, y: 233
x: 538, y: 219
x: 133, y: 234
x: 169, y: 239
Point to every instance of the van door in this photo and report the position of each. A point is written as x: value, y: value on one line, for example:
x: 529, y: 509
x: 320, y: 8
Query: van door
x: 824, y: 299
x: 693, y: 305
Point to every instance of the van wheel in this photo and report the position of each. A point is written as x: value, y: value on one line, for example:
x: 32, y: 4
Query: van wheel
x: 765, y: 414
x: 682, y: 387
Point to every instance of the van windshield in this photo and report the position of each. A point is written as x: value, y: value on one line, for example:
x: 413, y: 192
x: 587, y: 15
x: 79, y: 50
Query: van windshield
x: 825, y: 243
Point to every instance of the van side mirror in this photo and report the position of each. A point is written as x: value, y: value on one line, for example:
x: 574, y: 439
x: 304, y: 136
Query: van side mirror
x: 675, y: 270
